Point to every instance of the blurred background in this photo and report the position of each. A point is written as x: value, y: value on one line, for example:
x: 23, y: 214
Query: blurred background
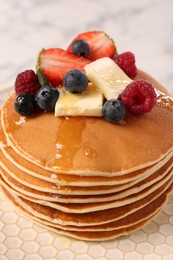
x: 144, y: 27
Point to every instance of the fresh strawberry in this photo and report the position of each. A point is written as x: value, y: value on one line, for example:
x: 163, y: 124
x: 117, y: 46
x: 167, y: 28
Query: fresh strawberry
x: 55, y: 63
x: 100, y: 44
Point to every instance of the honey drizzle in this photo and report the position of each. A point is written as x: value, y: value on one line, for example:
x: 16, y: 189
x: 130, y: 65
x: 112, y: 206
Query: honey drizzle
x: 164, y: 100
x: 68, y: 143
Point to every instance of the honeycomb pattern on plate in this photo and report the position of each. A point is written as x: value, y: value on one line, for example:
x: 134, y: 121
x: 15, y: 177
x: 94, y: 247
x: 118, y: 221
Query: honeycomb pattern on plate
x: 20, y: 238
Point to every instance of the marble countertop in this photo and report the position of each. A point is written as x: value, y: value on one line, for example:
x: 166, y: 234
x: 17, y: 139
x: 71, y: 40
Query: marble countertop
x: 144, y: 27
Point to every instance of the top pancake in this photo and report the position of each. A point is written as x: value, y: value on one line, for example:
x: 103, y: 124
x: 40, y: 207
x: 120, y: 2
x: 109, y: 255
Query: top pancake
x: 90, y: 144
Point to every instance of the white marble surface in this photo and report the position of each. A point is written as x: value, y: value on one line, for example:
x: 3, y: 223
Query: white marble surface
x: 145, y: 27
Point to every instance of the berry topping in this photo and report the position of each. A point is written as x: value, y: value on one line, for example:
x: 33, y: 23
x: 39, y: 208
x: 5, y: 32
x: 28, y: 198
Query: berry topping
x: 126, y: 61
x: 139, y: 97
x: 113, y: 110
x: 90, y: 60
x: 46, y: 98
x: 26, y: 82
x: 55, y: 63
x: 25, y: 104
x: 75, y: 81
x: 80, y: 48
x: 100, y: 44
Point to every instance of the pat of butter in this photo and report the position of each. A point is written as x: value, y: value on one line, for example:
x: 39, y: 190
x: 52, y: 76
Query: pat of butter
x: 88, y: 103
x: 107, y: 76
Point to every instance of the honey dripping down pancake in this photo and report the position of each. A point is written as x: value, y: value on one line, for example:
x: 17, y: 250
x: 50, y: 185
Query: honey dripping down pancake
x: 81, y: 175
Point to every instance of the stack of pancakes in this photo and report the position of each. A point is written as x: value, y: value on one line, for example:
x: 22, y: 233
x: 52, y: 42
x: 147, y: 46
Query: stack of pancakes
x: 84, y: 177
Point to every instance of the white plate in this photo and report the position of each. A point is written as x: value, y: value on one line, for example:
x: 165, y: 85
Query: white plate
x: 22, y: 239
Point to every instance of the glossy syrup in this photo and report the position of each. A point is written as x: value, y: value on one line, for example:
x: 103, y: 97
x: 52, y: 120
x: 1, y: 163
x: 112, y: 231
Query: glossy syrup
x: 164, y: 100
x: 70, y: 143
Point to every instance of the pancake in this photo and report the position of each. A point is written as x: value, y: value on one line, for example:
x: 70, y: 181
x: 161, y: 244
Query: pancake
x: 39, y: 184
x: 74, y: 180
x: 117, y: 233
x: 95, y: 183
x: 25, y: 183
x: 22, y: 190
x: 147, y: 211
x: 96, y: 217
x: 30, y: 138
x: 103, y: 235
x: 71, y: 180
x: 129, y: 189
x: 91, y: 207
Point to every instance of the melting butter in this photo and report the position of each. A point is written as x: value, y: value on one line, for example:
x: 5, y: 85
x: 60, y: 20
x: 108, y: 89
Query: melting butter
x: 108, y: 77
x: 88, y: 103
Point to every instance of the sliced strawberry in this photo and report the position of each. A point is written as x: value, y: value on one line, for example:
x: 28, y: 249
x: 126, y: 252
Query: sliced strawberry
x: 101, y: 45
x: 55, y: 63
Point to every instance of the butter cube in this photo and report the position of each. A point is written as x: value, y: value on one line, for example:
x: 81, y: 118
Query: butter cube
x: 88, y: 103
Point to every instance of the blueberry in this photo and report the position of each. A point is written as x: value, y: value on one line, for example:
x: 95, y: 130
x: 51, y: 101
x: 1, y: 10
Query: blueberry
x: 25, y: 104
x: 75, y: 81
x: 46, y: 97
x: 80, y: 48
x: 113, y: 110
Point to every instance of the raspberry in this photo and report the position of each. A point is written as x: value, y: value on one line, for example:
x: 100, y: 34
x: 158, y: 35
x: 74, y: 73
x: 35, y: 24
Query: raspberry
x: 126, y: 61
x: 139, y: 97
x: 26, y: 82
